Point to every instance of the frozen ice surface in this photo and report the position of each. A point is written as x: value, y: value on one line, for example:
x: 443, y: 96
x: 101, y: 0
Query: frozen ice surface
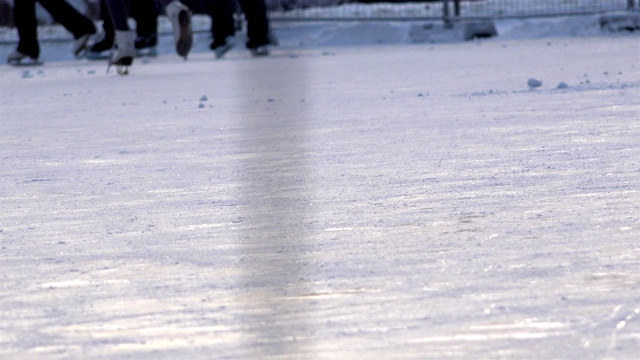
x: 319, y: 208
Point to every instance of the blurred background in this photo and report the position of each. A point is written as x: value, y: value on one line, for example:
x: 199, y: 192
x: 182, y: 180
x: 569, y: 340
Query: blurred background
x: 297, y: 10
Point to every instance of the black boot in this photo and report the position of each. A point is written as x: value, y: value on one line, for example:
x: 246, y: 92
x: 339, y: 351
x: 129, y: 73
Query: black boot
x: 146, y: 45
x: 99, y: 50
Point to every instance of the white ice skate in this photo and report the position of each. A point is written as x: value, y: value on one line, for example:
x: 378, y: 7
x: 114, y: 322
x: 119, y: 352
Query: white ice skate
x: 180, y: 18
x: 124, y: 53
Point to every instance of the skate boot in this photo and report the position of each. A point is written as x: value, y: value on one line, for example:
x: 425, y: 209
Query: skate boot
x: 80, y: 45
x: 147, y: 45
x: 16, y: 58
x: 273, y: 40
x: 99, y: 50
x: 221, y: 49
x: 124, y: 53
x: 260, y: 51
x: 180, y: 17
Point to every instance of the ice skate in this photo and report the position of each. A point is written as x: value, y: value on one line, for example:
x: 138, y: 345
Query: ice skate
x: 180, y: 17
x: 273, y: 39
x: 101, y: 49
x: 124, y: 53
x: 263, y: 49
x: 80, y: 45
x: 147, y: 45
x: 260, y: 51
x: 16, y: 58
x: 221, y: 50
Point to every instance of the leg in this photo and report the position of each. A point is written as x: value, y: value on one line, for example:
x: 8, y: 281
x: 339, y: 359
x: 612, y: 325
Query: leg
x: 118, y: 13
x: 125, y: 38
x: 65, y: 14
x: 146, y: 12
x: 223, y: 26
x: 107, y: 23
x: 79, y: 25
x: 257, y: 22
x: 106, y: 43
x: 24, y: 14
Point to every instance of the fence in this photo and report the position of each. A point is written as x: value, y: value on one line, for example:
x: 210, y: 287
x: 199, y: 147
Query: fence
x: 371, y: 10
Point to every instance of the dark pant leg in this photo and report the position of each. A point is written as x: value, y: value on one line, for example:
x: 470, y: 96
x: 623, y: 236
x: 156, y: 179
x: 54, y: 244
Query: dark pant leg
x: 24, y: 15
x: 196, y: 6
x: 107, y: 23
x: 221, y: 12
x: 118, y: 12
x: 145, y: 12
x: 67, y: 16
x: 255, y: 12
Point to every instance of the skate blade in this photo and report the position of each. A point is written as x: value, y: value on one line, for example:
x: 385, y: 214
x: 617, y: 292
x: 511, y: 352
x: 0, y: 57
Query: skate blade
x: 122, y: 69
x: 83, y: 53
x: 223, y: 50
x: 273, y: 40
x: 82, y: 48
x: 147, y: 52
x: 92, y: 55
x: 122, y: 66
x: 25, y: 62
x: 260, y: 51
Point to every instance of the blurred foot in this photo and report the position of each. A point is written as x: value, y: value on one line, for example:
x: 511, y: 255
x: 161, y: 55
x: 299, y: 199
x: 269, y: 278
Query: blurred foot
x: 146, y: 41
x: 146, y: 45
x: 260, y: 51
x: 80, y: 45
x: 122, y: 58
x: 18, y: 58
x: 180, y: 17
x: 221, y: 49
x: 100, y: 49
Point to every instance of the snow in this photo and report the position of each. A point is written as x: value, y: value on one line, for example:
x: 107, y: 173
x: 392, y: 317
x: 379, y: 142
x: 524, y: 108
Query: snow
x: 341, y: 198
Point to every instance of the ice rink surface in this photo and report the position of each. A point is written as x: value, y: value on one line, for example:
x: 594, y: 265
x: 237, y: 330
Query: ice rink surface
x: 373, y: 202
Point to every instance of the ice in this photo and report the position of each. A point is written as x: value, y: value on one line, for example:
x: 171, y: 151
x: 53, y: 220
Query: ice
x: 318, y: 207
